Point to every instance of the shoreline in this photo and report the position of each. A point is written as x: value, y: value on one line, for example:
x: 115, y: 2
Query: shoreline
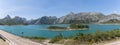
x: 20, y: 38
x: 107, y: 23
x: 17, y: 40
x: 66, y: 29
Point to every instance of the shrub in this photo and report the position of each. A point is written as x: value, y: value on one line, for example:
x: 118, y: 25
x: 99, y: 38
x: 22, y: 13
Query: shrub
x: 56, y: 27
x: 56, y: 38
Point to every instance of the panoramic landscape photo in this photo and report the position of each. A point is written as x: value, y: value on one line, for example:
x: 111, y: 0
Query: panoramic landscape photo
x: 59, y: 22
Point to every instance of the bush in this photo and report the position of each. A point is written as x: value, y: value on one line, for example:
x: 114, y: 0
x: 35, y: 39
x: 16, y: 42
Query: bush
x: 78, y: 26
x: 56, y: 38
x: 56, y: 27
x: 97, y: 36
x: 36, y: 39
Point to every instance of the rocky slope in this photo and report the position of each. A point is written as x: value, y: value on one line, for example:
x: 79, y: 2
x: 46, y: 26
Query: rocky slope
x: 44, y: 20
x: 12, y: 21
x: 112, y: 18
x: 82, y: 17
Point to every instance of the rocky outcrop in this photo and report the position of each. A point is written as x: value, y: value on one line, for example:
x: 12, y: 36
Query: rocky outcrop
x: 111, y: 17
x: 6, y: 20
x: 12, y: 21
x: 83, y: 17
x: 44, y: 20
x: 67, y: 18
x: 19, y: 20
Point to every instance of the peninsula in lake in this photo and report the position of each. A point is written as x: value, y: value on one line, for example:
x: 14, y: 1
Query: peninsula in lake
x: 71, y: 27
x: 82, y: 17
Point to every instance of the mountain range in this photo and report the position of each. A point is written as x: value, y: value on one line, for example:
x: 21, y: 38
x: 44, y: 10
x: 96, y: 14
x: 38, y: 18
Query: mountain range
x: 82, y: 17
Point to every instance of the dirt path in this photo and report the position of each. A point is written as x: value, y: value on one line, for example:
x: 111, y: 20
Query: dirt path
x: 114, y: 43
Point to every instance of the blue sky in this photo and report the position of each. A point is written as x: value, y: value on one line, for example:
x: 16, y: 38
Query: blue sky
x: 37, y: 8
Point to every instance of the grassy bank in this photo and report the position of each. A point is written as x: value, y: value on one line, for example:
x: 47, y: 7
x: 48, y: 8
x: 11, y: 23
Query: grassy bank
x: 36, y: 39
x: 80, y: 38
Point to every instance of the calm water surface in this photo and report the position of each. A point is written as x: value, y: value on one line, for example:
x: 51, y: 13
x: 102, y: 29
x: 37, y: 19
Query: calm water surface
x: 41, y: 30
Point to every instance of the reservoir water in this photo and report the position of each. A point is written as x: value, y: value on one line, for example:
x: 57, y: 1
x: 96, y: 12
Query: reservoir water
x: 42, y: 31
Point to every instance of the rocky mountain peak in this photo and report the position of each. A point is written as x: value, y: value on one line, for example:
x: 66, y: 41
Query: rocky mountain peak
x: 7, y: 17
x: 110, y: 17
x: 71, y: 13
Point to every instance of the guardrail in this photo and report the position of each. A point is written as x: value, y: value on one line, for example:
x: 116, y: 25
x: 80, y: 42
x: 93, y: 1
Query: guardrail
x: 4, y: 38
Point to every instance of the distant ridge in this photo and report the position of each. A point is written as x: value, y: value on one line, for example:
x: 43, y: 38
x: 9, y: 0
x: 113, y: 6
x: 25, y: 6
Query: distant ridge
x: 82, y: 17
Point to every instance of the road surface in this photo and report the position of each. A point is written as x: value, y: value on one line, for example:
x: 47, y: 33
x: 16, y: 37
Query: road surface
x: 16, y: 40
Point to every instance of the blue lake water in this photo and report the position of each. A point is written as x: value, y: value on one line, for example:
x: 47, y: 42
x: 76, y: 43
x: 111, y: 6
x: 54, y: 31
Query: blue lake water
x: 40, y: 30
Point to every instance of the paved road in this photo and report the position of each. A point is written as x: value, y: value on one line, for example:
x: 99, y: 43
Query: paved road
x: 16, y: 40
